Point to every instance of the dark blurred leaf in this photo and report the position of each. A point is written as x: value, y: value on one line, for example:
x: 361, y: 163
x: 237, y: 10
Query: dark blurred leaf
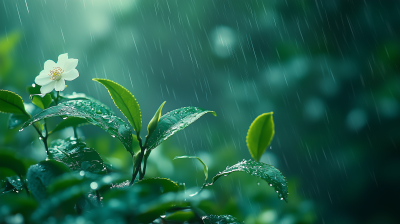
x: 16, y: 203
x: 16, y: 120
x: 74, y: 153
x: 11, y: 103
x: 65, y: 181
x: 163, y: 185
x: 70, y: 122
x: 205, y: 168
x: 125, y: 101
x: 264, y: 171
x: 174, y: 121
x: 221, y: 219
x: 260, y: 135
x: 8, y: 160
x: 42, y: 174
x: 96, y: 113
x: 180, y: 216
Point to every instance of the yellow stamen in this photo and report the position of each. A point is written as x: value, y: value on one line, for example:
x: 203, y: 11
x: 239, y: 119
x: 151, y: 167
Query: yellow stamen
x: 55, y: 74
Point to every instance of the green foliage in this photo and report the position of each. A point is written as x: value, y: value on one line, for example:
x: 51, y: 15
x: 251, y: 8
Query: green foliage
x: 153, y: 122
x: 74, y: 153
x: 264, y: 171
x: 9, y: 160
x: 42, y: 174
x: 75, y: 182
x: 42, y: 102
x: 11, y: 103
x: 125, y: 101
x: 174, y: 121
x: 205, y: 168
x: 95, y: 113
x: 260, y: 135
x: 225, y: 219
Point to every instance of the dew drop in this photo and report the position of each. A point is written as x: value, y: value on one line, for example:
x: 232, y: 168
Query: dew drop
x: 281, y: 199
x: 21, y: 129
x: 258, y: 183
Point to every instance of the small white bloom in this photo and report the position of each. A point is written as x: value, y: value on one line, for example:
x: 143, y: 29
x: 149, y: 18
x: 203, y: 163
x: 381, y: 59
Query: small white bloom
x: 53, y: 75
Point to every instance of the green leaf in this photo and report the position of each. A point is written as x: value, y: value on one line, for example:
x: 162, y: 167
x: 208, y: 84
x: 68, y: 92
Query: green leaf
x: 41, y: 101
x: 16, y: 182
x: 42, y: 174
x: 195, y: 157
x: 9, y: 160
x: 154, y: 121
x: 64, y: 182
x: 264, y: 171
x: 16, y: 120
x: 13, y: 204
x: 180, y: 216
x: 223, y: 219
x: 11, y: 102
x: 163, y: 185
x: 260, y: 135
x: 74, y: 153
x: 174, y: 121
x: 125, y: 101
x: 95, y: 113
x: 70, y: 122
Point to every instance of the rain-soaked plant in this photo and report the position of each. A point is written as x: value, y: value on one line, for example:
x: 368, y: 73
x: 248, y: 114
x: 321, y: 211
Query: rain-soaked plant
x: 74, y: 185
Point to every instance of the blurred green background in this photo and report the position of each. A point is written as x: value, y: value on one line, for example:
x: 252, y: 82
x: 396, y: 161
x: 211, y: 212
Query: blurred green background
x: 329, y: 70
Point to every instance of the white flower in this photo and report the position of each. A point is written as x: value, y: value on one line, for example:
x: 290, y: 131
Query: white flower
x: 53, y: 75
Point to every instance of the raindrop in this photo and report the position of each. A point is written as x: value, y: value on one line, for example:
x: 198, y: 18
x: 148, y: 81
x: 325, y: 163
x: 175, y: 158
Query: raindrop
x: 21, y: 129
x: 270, y: 185
x: 258, y: 183
x: 94, y: 185
x: 82, y: 173
x: 281, y: 199
x: 40, y: 138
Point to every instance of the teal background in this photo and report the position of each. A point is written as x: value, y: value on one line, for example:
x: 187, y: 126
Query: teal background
x: 329, y: 70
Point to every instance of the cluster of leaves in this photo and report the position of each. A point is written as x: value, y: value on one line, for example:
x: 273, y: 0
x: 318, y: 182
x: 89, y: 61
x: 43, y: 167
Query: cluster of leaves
x: 75, y: 184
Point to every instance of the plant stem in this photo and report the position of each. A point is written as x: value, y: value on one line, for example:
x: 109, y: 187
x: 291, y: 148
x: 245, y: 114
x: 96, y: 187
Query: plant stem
x: 75, y: 132
x: 147, y: 154
x: 98, y: 197
x: 137, y: 165
x: 56, y: 99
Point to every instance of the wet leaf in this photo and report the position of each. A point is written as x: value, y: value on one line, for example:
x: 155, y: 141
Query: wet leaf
x: 95, y: 113
x: 205, y: 168
x: 154, y: 121
x: 9, y: 160
x: 163, y: 185
x: 264, y: 171
x: 260, y: 135
x: 70, y: 122
x: 174, y: 121
x: 42, y: 174
x: 16, y: 182
x: 11, y: 102
x: 222, y: 219
x: 125, y: 101
x: 181, y: 216
x: 77, y: 156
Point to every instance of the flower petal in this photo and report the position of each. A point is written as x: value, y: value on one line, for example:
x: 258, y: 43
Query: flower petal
x: 43, y: 78
x: 60, y: 85
x: 49, y: 65
x: 71, y: 75
x: 70, y: 64
x: 47, y: 88
x: 62, y: 58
